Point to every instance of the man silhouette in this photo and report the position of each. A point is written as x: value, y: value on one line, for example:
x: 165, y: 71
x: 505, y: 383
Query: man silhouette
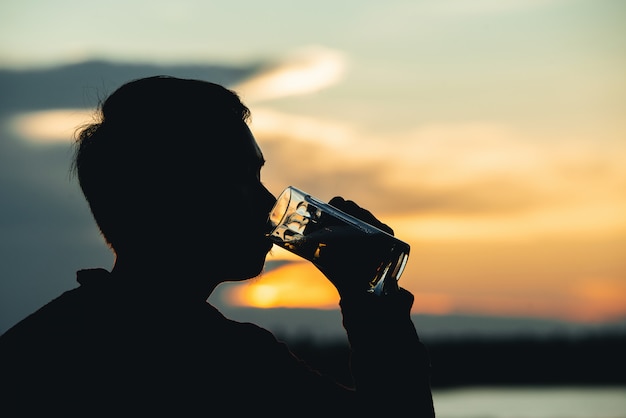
x: 171, y: 173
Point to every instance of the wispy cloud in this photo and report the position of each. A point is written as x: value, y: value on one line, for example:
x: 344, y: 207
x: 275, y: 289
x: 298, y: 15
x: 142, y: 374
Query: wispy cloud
x: 304, y: 71
x: 49, y: 126
x: 468, y: 180
x: 454, y: 170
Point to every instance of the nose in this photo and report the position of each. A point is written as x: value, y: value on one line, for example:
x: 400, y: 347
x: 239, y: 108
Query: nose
x: 268, y: 199
x: 267, y: 202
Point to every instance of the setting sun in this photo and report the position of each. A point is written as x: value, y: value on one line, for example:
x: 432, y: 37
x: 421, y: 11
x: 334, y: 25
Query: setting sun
x: 295, y: 285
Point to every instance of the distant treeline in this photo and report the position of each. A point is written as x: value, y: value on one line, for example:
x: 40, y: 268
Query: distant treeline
x: 524, y: 360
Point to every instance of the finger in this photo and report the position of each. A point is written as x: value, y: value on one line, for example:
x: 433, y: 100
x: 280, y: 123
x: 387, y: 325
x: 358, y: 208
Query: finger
x: 357, y: 211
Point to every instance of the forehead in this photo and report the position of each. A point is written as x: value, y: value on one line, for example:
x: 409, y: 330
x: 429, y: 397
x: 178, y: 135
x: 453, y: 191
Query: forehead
x: 241, y: 148
x: 255, y: 149
x: 251, y: 146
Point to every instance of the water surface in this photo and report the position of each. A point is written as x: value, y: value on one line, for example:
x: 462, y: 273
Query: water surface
x: 531, y: 402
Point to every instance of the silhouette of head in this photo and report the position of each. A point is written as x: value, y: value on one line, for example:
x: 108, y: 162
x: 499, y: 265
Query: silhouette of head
x: 171, y: 166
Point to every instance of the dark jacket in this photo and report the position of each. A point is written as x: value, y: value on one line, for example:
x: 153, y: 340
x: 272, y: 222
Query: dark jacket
x: 105, y: 349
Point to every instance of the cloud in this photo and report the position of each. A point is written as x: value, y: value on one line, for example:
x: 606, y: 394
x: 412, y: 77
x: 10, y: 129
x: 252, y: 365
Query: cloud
x: 306, y: 70
x: 467, y: 180
x: 50, y: 126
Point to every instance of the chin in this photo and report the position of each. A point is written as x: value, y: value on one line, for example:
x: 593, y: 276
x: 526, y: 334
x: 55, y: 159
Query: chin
x: 246, y: 263
x: 248, y: 271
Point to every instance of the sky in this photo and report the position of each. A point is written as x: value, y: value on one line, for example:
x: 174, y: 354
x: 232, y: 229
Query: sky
x: 490, y: 135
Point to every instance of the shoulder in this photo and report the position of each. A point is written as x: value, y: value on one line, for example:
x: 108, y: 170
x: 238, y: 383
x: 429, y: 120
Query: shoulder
x: 65, y: 318
x: 44, y: 320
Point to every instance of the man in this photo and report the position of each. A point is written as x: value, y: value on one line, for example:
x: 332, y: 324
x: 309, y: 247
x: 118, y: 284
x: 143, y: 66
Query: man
x: 171, y: 173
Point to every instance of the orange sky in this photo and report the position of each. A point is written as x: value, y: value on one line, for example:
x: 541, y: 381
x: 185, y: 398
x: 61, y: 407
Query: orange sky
x: 576, y: 280
x: 499, y: 221
x: 496, y: 148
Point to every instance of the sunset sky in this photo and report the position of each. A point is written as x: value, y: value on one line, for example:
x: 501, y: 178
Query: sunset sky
x: 489, y: 134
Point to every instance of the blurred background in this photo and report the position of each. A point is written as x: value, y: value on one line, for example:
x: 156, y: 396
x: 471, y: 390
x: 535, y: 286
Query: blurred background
x: 490, y: 135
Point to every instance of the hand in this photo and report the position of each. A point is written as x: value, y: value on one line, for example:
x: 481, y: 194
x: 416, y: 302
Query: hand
x: 350, y: 257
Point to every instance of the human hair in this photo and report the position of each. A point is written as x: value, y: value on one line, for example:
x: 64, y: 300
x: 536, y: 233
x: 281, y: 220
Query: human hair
x: 150, y: 141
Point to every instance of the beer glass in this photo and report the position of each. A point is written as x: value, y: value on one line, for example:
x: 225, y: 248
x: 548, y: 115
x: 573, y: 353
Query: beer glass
x: 307, y: 227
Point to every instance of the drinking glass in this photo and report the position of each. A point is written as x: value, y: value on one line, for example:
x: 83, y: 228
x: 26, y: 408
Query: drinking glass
x: 309, y: 228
